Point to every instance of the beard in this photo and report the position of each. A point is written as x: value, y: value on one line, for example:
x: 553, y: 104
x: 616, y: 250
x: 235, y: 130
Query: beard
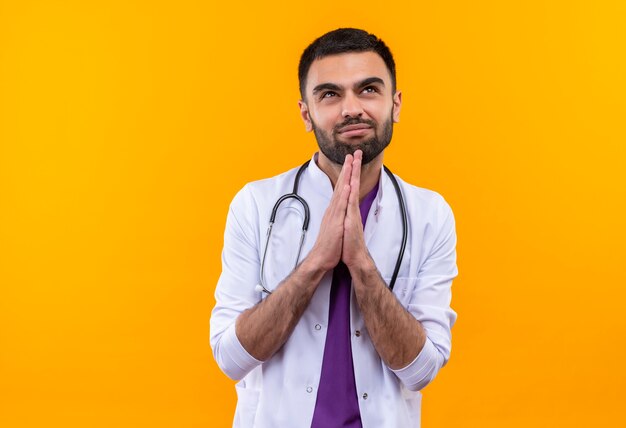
x: 336, y: 150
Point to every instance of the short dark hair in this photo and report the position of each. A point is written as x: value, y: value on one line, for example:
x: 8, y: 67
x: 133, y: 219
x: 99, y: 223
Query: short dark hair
x: 344, y: 40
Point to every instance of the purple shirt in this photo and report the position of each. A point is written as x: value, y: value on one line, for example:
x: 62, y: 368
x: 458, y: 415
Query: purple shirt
x: 337, y: 403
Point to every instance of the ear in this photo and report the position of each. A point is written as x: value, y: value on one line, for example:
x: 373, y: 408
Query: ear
x: 304, y: 113
x: 397, y: 103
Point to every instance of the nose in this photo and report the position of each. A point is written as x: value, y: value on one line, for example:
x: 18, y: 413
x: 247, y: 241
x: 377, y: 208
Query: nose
x: 351, y: 106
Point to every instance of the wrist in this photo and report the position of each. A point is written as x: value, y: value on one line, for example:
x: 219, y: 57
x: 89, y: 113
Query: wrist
x: 318, y: 260
x: 312, y: 266
x: 363, y: 268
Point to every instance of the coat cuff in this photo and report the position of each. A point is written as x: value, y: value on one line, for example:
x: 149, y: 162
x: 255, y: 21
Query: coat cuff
x: 236, y: 361
x: 422, y: 369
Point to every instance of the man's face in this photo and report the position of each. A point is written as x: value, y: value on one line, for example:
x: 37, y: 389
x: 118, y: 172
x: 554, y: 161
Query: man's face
x: 349, y: 105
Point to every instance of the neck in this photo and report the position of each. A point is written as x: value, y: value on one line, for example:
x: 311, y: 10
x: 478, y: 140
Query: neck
x: 370, y: 173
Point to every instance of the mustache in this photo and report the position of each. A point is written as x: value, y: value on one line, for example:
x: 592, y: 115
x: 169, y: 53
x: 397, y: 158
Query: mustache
x: 353, y: 121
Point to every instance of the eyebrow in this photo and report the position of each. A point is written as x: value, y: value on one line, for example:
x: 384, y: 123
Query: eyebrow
x: 369, y: 81
x: 362, y: 83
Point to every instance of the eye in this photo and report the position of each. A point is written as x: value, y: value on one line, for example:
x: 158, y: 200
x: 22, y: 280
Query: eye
x: 370, y: 90
x: 328, y: 94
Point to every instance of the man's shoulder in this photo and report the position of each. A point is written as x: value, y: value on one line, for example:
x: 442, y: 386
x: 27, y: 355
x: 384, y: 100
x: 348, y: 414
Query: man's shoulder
x: 265, y: 188
x: 270, y: 182
x: 422, y: 195
x: 268, y: 188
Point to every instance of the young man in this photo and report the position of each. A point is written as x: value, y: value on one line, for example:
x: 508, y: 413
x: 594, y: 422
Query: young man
x: 349, y: 336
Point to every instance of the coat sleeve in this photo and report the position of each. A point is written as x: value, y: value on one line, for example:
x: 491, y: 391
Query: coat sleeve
x: 235, y: 291
x: 430, y: 302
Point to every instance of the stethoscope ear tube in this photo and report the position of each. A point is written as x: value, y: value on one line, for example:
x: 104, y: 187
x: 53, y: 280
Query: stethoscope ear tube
x: 405, y: 227
x: 305, y: 226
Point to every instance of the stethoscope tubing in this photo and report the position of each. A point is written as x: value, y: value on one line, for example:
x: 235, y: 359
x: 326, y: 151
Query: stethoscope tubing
x: 305, y: 226
x: 405, y: 227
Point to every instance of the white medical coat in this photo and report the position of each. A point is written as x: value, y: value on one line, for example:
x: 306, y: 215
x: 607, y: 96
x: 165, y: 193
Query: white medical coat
x: 281, y: 392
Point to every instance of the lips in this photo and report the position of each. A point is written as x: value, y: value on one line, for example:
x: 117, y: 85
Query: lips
x: 355, y: 127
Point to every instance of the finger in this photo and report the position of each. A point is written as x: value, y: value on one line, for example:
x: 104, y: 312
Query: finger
x: 342, y: 204
x: 344, y: 178
x: 356, y: 166
x: 355, y: 179
x: 346, y: 171
x: 336, y: 214
x: 339, y: 202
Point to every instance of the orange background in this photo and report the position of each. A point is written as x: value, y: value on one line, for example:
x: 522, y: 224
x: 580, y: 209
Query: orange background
x: 126, y: 127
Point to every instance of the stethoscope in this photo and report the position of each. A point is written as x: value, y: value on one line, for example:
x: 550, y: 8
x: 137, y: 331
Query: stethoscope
x: 305, y: 225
